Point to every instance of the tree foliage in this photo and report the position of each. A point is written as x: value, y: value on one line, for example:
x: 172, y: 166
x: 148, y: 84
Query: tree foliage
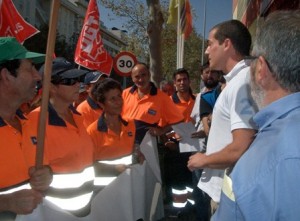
x: 192, y: 55
x: 144, y: 22
x: 63, y: 47
x: 149, y: 38
x: 138, y: 18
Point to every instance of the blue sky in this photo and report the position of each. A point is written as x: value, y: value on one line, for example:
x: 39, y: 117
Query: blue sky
x: 216, y: 12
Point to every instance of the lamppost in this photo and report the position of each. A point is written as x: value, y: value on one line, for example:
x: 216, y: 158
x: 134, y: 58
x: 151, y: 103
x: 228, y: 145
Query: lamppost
x: 203, y: 39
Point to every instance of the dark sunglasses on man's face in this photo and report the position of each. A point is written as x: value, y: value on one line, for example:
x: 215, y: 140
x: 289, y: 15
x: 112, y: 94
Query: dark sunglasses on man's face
x: 70, y: 81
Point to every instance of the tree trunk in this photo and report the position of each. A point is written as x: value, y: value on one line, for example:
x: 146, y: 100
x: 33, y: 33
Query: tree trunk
x: 154, y: 31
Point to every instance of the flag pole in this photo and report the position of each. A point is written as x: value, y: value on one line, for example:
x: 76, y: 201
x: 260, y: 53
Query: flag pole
x: 203, y: 39
x: 178, y: 35
x: 46, y: 83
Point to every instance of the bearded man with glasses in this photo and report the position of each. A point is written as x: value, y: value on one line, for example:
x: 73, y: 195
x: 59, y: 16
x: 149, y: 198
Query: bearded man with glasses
x: 264, y: 184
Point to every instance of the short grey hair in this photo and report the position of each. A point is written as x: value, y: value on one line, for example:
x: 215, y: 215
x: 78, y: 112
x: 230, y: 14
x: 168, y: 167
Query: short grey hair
x: 277, y: 40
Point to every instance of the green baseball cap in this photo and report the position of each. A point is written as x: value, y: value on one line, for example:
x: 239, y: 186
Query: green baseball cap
x: 11, y: 49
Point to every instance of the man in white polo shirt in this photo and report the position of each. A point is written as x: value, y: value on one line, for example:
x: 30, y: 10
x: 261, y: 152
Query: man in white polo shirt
x: 232, y: 130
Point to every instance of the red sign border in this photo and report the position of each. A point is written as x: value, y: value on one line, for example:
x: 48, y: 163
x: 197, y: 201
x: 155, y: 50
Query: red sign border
x: 122, y: 53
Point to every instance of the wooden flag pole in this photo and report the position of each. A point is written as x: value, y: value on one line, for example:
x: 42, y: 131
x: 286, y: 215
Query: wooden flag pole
x: 46, y: 83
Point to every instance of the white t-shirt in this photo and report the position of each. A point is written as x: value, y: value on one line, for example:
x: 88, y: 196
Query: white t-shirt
x: 234, y: 109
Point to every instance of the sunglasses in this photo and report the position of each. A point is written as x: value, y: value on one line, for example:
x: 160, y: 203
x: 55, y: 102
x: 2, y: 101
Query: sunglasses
x: 250, y: 59
x: 69, y: 81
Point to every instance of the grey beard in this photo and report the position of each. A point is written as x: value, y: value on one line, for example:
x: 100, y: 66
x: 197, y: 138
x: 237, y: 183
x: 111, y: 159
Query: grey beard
x: 258, y: 95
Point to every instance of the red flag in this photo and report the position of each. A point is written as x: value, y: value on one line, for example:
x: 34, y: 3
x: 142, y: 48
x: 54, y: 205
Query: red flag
x: 186, y: 19
x: 12, y: 24
x: 90, y: 51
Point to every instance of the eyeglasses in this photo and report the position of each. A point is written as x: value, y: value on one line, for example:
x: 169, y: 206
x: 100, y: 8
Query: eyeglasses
x: 250, y: 59
x: 69, y: 81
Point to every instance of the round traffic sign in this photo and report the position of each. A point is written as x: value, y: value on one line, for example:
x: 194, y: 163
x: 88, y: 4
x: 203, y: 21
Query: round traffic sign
x: 123, y: 63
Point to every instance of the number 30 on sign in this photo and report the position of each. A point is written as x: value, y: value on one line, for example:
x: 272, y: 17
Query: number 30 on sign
x: 123, y: 63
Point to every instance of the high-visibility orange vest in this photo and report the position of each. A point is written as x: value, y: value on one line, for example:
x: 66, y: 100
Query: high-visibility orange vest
x: 90, y: 111
x: 14, y: 170
x: 68, y: 150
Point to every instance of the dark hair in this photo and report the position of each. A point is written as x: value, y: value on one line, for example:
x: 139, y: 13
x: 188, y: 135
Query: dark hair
x: 204, y: 66
x: 101, y: 87
x: 238, y: 34
x: 11, y: 66
x: 181, y: 71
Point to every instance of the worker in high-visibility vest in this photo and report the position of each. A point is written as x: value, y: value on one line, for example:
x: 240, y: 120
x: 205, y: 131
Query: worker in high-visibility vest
x: 178, y: 178
x: 113, y: 137
x: 149, y: 107
x: 68, y: 147
x: 21, y: 187
x: 89, y: 109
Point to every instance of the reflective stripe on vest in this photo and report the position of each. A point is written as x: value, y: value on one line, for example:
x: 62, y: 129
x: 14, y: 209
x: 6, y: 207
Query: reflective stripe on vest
x: 71, y: 204
x: 179, y: 192
x: 127, y: 160
x: 72, y: 191
x: 227, y: 187
x: 181, y: 197
x: 179, y: 205
x: 74, y: 180
x: 104, y: 181
x: 16, y: 188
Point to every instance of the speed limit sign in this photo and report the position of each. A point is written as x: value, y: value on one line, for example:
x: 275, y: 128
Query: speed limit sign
x: 123, y: 63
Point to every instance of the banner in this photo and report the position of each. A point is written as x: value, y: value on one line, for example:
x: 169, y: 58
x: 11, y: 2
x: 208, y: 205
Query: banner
x: 90, y: 51
x: 131, y: 196
x: 12, y: 24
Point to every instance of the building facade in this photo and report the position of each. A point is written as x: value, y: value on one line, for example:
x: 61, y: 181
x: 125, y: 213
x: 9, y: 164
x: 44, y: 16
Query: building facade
x: 70, y: 20
x: 251, y: 11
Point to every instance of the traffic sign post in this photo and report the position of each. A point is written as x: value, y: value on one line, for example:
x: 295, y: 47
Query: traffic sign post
x: 123, y: 64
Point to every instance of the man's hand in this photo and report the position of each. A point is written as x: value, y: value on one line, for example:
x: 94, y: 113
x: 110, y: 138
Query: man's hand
x: 22, y: 202
x: 120, y: 168
x: 40, y: 179
x: 198, y: 134
x: 171, y: 145
x: 141, y: 157
x: 156, y: 131
x: 196, y: 161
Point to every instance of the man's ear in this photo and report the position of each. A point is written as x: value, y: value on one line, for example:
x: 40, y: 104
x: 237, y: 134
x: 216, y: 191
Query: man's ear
x: 4, y: 75
x: 1, y: 77
x: 227, y: 43
x: 263, y: 75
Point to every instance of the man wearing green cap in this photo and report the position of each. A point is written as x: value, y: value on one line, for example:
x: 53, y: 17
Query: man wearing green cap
x: 21, y: 188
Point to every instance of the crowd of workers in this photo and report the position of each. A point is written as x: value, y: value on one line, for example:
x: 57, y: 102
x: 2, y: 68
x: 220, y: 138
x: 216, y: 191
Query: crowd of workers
x: 246, y: 118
